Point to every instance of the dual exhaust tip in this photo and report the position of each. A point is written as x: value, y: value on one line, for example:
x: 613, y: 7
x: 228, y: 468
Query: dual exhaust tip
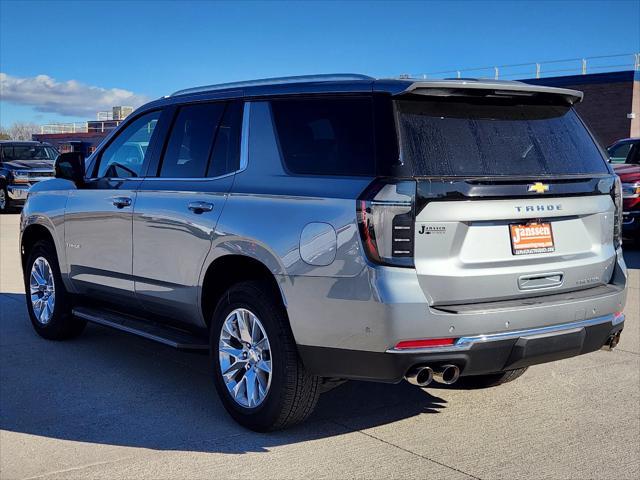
x: 449, y: 374
x: 612, y: 341
x: 423, y: 375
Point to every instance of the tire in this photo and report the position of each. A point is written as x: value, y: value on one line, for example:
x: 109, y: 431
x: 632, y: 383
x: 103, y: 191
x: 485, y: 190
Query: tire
x: 4, y: 200
x: 60, y: 324
x: 490, y: 380
x: 291, y: 392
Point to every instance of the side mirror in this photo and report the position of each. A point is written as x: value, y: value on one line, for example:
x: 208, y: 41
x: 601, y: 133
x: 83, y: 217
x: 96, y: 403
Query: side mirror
x: 70, y: 166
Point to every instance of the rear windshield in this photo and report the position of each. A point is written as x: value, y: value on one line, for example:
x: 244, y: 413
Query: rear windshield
x: 467, y: 137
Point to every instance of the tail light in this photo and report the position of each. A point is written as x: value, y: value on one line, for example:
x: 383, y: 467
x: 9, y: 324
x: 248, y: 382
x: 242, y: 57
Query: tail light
x: 617, y: 220
x: 386, y: 219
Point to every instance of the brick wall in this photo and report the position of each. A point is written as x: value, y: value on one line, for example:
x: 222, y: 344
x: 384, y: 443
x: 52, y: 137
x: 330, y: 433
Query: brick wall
x: 608, y: 98
x: 605, y: 108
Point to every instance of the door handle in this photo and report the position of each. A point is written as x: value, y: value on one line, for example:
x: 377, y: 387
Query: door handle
x: 200, y: 207
x: 121, y: 202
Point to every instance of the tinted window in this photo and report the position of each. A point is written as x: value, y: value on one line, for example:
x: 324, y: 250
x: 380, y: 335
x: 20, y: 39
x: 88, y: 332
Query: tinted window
x: 634, y: 155
x: 125, y: 156
x: 226, y: 152
x: 325, y: 136
x: 28, y: 152
x: 189, y: 148
x: 619, y: 153
x: 466, y: 137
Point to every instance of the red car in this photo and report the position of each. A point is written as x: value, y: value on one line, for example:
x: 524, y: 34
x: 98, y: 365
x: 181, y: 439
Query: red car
x: 624, y: 155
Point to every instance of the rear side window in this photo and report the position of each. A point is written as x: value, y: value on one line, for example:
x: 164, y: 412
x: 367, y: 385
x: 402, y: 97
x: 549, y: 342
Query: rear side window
x: 191, y: 140
x: 325, y: 136
x: 476, y: 138
x: 226, y: 152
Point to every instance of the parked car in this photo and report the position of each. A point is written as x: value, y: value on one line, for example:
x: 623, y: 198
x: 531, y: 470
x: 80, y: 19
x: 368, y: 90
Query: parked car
x: 21, y: 165
x: 619, y: 151
x: 625, y: 158
x: 313, y: 229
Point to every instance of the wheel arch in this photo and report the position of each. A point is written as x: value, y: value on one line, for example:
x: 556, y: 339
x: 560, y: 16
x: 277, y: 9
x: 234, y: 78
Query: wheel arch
x: 227, y: 270
x: 32, y: 234
x: 38, y: 229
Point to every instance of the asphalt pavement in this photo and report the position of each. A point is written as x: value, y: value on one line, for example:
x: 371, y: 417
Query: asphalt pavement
x: 109, y: 405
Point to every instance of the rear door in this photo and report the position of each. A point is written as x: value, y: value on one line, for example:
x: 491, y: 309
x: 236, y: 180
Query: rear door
x: 178, y: 206
x: 513, y: 199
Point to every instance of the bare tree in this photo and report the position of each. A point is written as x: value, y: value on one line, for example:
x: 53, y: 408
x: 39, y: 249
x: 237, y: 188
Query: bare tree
x: 22, y: 130
x: 4, y: 134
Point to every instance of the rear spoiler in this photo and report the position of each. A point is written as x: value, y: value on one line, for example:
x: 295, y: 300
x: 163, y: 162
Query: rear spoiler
x: 448, y: 88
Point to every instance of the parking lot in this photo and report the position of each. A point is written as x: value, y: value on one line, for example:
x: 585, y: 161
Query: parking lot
x: 109, y: 405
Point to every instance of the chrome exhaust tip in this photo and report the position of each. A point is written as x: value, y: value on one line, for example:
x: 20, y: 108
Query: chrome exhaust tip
x: 447, y: 374
x: 612, y: 341
x: 420, y: 376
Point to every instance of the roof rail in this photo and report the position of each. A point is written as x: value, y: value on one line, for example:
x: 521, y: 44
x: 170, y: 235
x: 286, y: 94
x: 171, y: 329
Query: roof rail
x: 326, y: 77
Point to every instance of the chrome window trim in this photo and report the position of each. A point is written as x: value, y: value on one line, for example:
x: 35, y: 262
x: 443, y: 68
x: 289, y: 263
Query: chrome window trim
x: 244, y: 157
x: 244, y: 137
x: 187, y: 179
x: 465, y: 343
x: 115, y: 179
x: 244, y: 153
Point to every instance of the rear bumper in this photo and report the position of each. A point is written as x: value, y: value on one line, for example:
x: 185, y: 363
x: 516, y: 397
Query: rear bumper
x: 480, y: 354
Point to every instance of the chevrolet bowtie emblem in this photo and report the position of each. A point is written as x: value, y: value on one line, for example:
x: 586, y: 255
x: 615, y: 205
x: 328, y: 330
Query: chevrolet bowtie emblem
x: 538, y: 188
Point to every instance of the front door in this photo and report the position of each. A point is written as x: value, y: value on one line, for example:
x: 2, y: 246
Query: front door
x: 99, y: 216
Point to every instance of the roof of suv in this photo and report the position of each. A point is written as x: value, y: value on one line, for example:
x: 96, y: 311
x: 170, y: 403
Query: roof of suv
x: 356, y: 83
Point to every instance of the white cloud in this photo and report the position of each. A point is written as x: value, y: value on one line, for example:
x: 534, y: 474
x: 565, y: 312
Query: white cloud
x: 69, y: 98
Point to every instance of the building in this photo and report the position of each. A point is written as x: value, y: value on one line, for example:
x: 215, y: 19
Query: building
x: 611, y: 104
x: 102, y: 116
x: 102, y: 126
x: 68, y: 142
x: 85, y: 136
x: 121, y: 112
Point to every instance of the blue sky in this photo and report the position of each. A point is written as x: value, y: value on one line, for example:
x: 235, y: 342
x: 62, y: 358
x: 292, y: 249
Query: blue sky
x: 134, y: 51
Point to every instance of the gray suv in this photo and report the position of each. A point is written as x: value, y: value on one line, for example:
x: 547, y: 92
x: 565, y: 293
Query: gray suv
x: 308, y: 230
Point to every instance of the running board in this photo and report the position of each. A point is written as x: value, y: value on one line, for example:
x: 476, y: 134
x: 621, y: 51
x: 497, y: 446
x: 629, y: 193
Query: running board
x: 180, y: 339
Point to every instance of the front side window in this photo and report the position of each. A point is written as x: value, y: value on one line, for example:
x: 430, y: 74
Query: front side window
x: 189, y: 147
x: 326, y: 136
x: 125, y: 156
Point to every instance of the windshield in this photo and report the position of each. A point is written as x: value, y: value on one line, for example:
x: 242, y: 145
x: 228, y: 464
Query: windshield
x: 496, y: 137
x: 28, y: 152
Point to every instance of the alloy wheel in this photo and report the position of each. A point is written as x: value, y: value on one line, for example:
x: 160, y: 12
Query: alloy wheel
x: 42, y: 290
x: 245, y: 358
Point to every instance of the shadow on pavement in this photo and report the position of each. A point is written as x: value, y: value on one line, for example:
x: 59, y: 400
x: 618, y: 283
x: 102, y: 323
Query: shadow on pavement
x: 111, y: 388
